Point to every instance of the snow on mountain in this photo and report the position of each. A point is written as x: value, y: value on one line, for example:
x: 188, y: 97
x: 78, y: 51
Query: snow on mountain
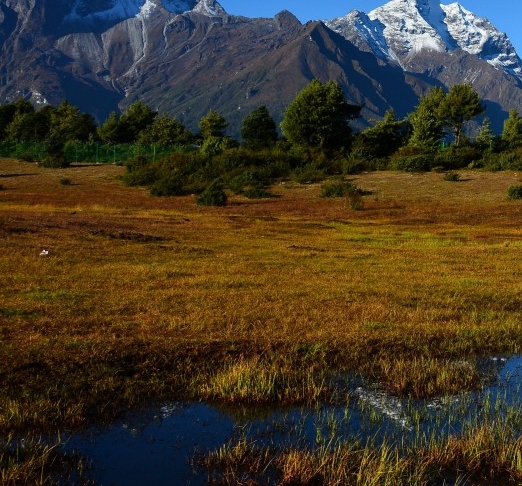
x: 209, y: 7
x: 478, y: 36
x: 111, y: 11
x: 401, y: 29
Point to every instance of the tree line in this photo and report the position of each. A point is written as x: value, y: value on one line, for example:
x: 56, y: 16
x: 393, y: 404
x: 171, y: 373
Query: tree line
x: 317, y: 140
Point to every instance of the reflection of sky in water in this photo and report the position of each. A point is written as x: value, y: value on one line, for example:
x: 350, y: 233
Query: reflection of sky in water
x: 156, y: 447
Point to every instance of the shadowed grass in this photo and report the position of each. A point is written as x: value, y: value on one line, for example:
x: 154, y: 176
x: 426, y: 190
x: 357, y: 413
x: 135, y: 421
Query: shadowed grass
x: 33, y: 461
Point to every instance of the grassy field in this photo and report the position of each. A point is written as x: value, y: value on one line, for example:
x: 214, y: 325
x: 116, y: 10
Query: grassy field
x: 143, y: 297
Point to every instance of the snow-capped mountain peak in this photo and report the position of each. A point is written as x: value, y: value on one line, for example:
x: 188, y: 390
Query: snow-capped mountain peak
x: 84, y: 12
x: 209, y: 7
x: 402, y: 29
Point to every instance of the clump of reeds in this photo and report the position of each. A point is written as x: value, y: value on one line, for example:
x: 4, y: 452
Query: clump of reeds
x: 256, y: 380
x: 426, y: 377
x: 489, y: 454
x: 36, y: 462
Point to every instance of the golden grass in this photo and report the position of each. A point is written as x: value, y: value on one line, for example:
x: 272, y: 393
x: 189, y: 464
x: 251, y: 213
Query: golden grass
x: 490, y: 454
x: 142, y: 297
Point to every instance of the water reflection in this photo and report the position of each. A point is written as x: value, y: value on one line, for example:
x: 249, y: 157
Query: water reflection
x: 158, y: 446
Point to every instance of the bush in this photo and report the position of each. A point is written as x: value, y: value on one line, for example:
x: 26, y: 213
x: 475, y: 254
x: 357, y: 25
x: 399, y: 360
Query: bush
x: 167, y: 186
x: 54, y: 153
x: 353, y: 165
x: 337, y: 189
x: 213, y: 195
x: 510, y: 160
x: 355, y: 200
x: 140, y: 172
x: 54, y: 162
x: 308, y: 174
x: 451, y: 177
x: 412, y: 163
x: 144, y: 176
x: 457, y: 157
x: 65, y: 181
x: 257, y: 192
x: 515, y: 192
x: 241, y: 180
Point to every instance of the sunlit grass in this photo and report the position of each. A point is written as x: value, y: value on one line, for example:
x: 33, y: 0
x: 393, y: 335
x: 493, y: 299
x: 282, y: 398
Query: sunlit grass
x: 486, y: 453
x: 144, y: 296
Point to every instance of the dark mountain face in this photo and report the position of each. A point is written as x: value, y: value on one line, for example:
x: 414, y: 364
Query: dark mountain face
x: 185, y: 58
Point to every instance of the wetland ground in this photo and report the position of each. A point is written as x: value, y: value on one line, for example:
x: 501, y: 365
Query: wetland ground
x: 259, y: 302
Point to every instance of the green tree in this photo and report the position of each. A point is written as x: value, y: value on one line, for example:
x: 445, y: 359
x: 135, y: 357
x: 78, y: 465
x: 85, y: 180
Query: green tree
x: 318, y: 117
x: 512, y: 133
x: 133, y: 121
x: 69, y: 124
x: 259, y: 129
x: 165, y: 131
x: 109, y: 131
x: 485, y: 138
x: 213, y: 125
x: 54, y: 152
x: 33, y: 126
x: 7, y: 113
x: 426, y: 121
x: 381, y: 140
x: 212, y: 129
x: 461, y: 104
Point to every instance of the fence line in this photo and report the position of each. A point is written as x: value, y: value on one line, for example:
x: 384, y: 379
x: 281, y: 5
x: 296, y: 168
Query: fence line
x: 78, y: 152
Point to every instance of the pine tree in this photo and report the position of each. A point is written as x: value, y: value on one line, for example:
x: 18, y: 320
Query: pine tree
x: 259, y: 129
x: 512, y: 133
x: 318, y: 117
x: 460, y: 105
x: 426, y: 121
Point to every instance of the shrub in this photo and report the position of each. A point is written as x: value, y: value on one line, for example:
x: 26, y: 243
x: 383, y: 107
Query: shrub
x: 355, y: 200
x: 213, y: 195
x: 451, y: 177
x: 54, y: 162
x: 140, y: 177
x: 489, y: 162
x: 54, y: 153
x: 337, y: 189
x: 510, y: 160
x: 353, y: 165
x: 65, y: 181
x: 167, y: 186
x: 457, y: 157
x: 515, y: 192
x: 412, y: 163
x: 308, y: 174
x: 257, y: 192
x: 140, y: 172
x: 238, y: 182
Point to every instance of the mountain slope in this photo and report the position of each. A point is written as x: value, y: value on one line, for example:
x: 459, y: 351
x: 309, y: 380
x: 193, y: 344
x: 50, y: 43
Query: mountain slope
x: 183, y: 62
x: 444, y: 44
x: 401, y: 30
x: 185, y: 57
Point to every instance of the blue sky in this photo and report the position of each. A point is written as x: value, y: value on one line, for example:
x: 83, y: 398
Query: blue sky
x: 505, y: 15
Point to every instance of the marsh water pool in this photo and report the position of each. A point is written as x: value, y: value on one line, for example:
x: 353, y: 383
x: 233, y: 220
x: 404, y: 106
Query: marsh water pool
x: 161, y: 445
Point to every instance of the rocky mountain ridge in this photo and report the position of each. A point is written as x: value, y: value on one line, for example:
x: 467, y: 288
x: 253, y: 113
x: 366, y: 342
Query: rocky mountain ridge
x: 403, y: 29
x: 186, y: 57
